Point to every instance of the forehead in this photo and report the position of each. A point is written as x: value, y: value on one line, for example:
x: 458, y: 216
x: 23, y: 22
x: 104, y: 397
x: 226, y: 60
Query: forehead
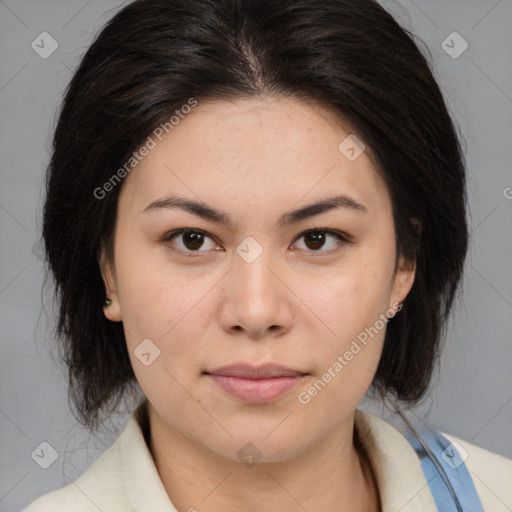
x: 272, y: 151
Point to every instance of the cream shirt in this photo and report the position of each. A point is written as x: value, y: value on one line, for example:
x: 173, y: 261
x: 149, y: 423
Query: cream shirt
x: 125, y: 478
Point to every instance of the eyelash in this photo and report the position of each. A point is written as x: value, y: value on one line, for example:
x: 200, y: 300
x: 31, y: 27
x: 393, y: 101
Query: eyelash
x: 342, y: 239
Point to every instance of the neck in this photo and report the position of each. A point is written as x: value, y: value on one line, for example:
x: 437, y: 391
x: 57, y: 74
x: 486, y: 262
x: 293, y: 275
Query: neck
x: 334, y: 476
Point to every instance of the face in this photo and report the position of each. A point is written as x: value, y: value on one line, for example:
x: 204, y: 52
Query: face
x: 308, y: 292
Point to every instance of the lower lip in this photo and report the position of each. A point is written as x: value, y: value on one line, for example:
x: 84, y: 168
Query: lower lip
x: 256, y: 391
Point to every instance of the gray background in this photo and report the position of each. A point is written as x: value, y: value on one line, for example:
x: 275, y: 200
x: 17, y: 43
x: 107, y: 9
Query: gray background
x: 472, y: 393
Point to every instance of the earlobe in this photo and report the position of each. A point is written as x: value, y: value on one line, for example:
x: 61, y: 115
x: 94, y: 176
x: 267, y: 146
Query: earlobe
x: 112, y: 310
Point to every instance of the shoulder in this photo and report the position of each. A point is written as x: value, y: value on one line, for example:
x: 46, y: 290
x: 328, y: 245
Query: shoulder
x: 491, y: 473
x: 99, y: 488
x: 124, y: 478
x: 400, y: 477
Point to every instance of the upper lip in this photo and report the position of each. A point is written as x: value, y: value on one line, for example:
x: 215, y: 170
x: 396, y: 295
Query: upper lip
x: 247, y: 371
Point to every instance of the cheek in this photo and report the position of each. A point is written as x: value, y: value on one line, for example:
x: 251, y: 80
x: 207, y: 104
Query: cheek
x: 164, y: 313
x: 166, y: 308
x: 348, y: 299
x: 368, y: 284
x: 347, y: 323
x: 162, y: 321
x: 347, y: 357
x: 150, y: 296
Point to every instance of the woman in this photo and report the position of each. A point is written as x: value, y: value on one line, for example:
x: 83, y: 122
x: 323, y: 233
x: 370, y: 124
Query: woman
x: 255, y: 215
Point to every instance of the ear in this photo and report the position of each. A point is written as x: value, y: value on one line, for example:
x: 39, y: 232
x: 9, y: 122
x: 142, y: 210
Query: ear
x: 406, y: 271
x: 403, y: 281
x: 113, y: 311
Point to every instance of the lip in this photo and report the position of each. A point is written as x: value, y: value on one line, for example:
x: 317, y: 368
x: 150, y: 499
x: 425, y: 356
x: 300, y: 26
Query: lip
x: 256, y: 384
x: 248, y: 371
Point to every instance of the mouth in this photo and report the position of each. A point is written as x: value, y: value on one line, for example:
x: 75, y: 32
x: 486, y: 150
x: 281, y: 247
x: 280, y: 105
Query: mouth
x: 256, y: 384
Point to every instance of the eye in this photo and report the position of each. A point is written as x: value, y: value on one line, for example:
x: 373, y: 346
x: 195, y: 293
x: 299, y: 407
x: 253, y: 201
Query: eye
x: 316, y: 238
x: 192, y: 240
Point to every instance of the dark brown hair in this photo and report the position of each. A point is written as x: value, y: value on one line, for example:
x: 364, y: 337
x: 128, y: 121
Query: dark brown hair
x: 352, y: 57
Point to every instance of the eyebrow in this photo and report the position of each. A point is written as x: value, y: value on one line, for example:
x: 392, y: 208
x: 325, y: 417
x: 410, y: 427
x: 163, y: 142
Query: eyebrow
x: 292, y: 217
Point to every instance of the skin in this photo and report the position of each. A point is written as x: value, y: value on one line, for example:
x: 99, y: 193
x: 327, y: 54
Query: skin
x: 295, y: 305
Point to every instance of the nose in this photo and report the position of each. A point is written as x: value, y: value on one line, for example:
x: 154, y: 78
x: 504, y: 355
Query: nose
x: 256, y: 302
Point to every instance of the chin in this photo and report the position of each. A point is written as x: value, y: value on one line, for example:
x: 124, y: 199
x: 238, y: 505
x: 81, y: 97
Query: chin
x: 257, y: 443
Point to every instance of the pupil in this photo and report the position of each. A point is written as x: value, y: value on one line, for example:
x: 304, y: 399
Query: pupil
x: 193, y: 240
x: 317, y: 238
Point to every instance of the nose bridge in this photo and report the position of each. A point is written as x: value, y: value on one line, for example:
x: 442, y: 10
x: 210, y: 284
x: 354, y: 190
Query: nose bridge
x: 251, y: 270
x: 256, y: 299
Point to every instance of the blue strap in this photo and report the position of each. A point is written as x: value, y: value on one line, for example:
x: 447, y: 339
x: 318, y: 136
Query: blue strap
x: 444, y: 467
